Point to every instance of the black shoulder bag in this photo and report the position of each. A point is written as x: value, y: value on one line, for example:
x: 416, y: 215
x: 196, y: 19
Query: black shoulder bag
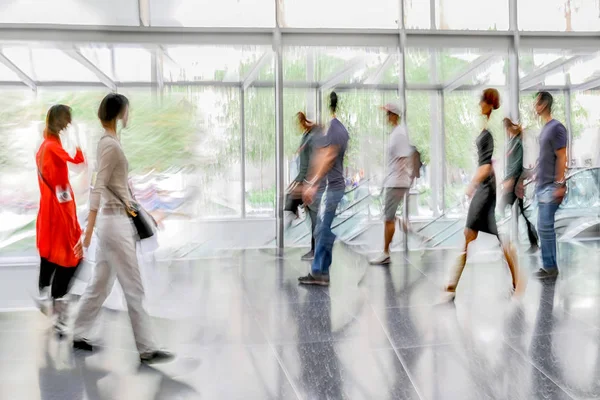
x: 141, y: 219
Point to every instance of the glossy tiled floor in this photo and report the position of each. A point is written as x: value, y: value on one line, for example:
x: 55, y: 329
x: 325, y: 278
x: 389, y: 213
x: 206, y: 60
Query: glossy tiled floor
x: 244, y: 329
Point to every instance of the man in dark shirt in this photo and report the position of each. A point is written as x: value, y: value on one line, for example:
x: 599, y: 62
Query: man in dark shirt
x: 550, y: 181
x: 329, y: 165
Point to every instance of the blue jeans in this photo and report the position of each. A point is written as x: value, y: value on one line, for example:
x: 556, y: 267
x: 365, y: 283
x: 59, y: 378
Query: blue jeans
x: 547, y: 207
x: 323, y: 234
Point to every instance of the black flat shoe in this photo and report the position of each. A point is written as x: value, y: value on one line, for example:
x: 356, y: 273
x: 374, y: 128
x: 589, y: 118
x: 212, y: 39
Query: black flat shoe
x: 156, y: 356
x: 82, y: 344
x: 533, y: 249
x: 544, y: 274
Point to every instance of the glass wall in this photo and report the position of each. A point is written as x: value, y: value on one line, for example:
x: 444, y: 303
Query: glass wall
x: 260, y: 152
x: 202, y: 137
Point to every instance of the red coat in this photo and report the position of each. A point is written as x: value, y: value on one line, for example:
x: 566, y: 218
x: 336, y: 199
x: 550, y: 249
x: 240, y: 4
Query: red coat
x: 57, y: 228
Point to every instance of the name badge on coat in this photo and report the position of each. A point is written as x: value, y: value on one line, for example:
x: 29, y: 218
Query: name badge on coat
x: 63, y: 194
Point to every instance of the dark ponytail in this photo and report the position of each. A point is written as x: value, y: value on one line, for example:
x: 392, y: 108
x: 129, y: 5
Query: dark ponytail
x: 333, y: 102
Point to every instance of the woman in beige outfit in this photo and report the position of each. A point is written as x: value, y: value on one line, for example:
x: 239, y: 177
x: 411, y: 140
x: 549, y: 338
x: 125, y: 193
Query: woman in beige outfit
x: 116, y: 254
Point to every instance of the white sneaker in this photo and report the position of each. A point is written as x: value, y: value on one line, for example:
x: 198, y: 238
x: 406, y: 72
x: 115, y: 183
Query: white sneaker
x: 383, y: 259
x: 61, y: 315
x: 42, y: 301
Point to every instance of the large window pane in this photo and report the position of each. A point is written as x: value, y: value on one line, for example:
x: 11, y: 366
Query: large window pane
x: 419, y: 131
x: 186, y: 141
x: 473, y: 66
x: 214, y: 63
x: 75, y: 12
x: 132, y: 64
x: 8, y: 75
x: 223, y: 13
x: 339, y: 14
x: 22, y: 116
x: 558, y: 15
x: 419, y: 67
x: 472, y: 14
x: 417, y: 14
x: 585, y: 123
x: 260, y: 152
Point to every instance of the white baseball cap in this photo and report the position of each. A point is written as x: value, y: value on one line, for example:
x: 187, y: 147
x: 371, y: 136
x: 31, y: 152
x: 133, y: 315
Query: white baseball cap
x: 393, y: 108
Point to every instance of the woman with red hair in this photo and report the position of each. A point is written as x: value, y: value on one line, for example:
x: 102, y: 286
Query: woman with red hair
x: 482, y: 190
x: 58, y: 232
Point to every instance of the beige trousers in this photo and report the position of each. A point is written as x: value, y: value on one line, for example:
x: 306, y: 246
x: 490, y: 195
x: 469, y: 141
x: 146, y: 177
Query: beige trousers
x: 115, y: 258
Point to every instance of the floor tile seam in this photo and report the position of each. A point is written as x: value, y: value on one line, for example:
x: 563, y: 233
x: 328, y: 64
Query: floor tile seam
x: 530, y: 361
x: 399, y: 357
x: 560, y: 332
x: 575, y: 317
x: 351, y: 339
x: 267, y: 304
x: 271, y: 346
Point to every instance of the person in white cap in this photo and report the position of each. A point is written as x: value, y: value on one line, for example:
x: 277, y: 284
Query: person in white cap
x: 399, y: 178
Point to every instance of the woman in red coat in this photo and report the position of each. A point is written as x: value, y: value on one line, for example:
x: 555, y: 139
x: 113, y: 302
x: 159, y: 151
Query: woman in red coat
x: 58, y: 232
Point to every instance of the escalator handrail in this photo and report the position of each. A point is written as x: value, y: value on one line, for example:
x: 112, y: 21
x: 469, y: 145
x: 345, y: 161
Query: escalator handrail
x: 569, y: 177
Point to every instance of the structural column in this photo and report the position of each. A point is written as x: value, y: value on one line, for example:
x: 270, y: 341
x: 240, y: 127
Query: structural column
x: 568, y: 121
x: 513, y: 78
x: 402, y: 93
x: 279, y: 151
x: 243, y: 150
x: 438, y: 152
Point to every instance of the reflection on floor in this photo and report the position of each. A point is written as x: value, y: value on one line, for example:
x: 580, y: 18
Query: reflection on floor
x: 244, y: 329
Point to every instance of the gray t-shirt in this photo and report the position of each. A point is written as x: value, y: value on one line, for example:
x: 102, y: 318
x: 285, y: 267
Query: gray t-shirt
x: 338, y: 136
x: 399, y: 160
x: 552, y: 138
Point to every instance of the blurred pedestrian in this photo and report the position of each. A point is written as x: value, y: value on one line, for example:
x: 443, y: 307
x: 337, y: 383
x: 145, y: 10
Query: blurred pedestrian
x: 399, y: 179
x: 329, y: 165
x: 58, y: 234
x: 482, y: 190
x: 294, y: 192
x: 512, y: 186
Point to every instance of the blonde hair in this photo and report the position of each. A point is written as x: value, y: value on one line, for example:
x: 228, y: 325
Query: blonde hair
x: 508, y: 123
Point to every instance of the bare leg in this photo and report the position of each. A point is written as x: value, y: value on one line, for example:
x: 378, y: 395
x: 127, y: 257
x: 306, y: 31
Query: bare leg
x: 511, y: 260
x: 389, y: 230
x: 470, y: 235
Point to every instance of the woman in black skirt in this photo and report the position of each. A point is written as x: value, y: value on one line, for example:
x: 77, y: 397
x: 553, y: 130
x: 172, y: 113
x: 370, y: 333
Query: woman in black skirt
x: 482, y: 189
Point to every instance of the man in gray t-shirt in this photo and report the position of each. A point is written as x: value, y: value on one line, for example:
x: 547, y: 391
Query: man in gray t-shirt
x: 550, y: 182
x: 398, y: 180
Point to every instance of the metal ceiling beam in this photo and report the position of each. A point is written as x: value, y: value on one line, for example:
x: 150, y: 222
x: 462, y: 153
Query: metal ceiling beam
x: 589, y: 85
x: 79, y: 34
x: 538, y: 76
x: 76, y: 55
x: 377, y: 76
x: 18, y: 71
x: 467, y: 74
x: 347, y: 70
x: 440, y: 39
x: 251, y: 76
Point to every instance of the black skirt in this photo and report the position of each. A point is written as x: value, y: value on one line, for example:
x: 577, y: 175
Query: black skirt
x: 482, y: 211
